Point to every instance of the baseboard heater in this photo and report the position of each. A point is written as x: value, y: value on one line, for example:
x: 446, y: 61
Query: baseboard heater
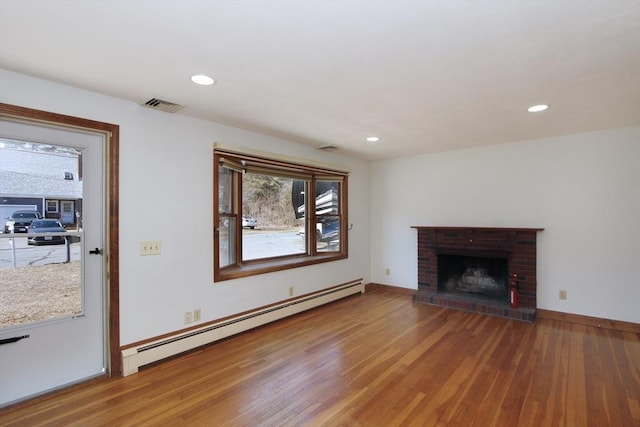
x: 135, y: 357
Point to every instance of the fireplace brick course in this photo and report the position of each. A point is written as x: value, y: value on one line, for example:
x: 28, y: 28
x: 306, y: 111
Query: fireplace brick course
x: 517, y: 245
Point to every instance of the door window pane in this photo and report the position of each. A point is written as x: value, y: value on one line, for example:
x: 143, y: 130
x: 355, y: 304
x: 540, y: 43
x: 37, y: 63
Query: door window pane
x: 40, y: 273
x: 46, y: 282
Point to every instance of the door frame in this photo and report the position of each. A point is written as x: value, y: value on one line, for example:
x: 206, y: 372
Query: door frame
x: 111, y: 249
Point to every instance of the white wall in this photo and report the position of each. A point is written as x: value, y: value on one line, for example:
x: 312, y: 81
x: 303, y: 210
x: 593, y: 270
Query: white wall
x: 166, y: 193
x: 584, y: 190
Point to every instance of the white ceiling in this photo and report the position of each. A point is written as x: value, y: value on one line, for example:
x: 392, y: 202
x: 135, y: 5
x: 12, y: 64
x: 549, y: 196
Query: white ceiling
x: 424, y: 76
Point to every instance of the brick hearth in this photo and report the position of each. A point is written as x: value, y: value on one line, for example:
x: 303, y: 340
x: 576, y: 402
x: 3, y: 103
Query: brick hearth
x: 517, y: 245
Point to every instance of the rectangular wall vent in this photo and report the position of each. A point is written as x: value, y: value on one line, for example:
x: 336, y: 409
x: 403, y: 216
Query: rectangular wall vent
x: 162, y: 105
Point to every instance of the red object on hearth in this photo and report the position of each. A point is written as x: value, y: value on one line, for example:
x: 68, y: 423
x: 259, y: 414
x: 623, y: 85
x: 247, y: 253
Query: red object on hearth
x: 513, y: 291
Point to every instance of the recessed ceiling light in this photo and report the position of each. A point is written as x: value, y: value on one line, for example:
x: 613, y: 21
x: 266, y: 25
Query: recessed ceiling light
x: 201, y: 79
x: 537, y: 108
x: 373, y: 139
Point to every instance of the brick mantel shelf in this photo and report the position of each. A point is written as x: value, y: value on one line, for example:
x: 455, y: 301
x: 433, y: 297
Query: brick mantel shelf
x: 460, y: 228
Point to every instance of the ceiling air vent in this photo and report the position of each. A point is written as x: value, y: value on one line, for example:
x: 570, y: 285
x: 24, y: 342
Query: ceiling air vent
x: 162, y: 105
x: 329, y: 147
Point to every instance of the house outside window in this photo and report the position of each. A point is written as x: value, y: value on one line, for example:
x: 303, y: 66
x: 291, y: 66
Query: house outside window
x: 274, y: 214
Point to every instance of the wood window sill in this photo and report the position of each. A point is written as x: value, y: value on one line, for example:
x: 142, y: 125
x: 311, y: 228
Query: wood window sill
x: 262, y: 267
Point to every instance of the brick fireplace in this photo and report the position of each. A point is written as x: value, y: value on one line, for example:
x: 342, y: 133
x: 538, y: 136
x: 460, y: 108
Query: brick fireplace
x: 474, y: 264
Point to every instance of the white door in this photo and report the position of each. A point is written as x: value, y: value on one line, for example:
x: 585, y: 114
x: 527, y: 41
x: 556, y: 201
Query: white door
x: 67, y: 213
x: 52, y: 296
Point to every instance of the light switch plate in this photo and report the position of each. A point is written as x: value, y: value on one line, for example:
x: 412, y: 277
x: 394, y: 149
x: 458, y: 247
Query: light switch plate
x: 151, y: 247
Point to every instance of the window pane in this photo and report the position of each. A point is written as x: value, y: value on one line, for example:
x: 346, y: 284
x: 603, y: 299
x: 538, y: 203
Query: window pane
x: 328, y: 234
x: 225, y: 191
x: 327, y: 198
x: 268, y: 200
x: 41, y: 279
x: 327, y: 216
x: 226, y: 239
x: 52, y: 206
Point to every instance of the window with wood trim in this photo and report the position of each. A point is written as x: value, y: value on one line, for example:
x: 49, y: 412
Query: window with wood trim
x: 273, y: 214
x: 52, y: 206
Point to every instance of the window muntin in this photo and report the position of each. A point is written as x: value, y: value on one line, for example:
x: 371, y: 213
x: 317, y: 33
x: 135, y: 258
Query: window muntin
x: 276, y: 194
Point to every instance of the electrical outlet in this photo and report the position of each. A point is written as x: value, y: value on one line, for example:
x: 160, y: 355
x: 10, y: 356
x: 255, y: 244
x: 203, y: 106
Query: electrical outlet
x: 197, y: 315
x: 563, y: 294
x: 387, y: 271
x: 188, y: 318
x: 151, y: 247
x: 290, y: 291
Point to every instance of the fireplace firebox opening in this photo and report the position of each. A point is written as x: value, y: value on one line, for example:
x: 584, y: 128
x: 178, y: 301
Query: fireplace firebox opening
x: 473, y: 276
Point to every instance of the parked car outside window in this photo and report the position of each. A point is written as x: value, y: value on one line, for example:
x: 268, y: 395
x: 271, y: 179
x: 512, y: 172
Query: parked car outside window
x: 249, y: 222
x: 19, y: 221
x: 42, y: 227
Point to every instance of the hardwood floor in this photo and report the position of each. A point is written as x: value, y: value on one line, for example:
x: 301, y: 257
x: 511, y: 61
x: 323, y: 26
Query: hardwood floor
x: 372, y: 360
